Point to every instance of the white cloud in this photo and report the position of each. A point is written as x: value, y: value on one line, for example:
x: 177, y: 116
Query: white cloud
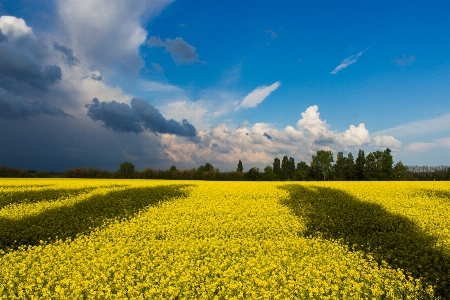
x: 258, y: 95
x: 107, y: 33
x: 419, y: 128
x: 425, y: 146
x: 14, y: 28
x: 383, y: 141
x: 260, y: 143
x: 348, y: 61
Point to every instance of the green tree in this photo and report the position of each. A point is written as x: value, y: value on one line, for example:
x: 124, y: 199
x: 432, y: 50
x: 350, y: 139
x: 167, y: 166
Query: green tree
x: 322, y: 163
x: 240, y: 168
x: 359, y: 165
x: 291, y: 169
x: 285, y: 168
x: 387, y: 162
x: 340, y: 167
x: 448, y: 173
x: 302, y: 170
x: 253, y: 174
x: 350, y: 172
x: 277, y: 167
x: 400, y: 171
x: 126, y: 170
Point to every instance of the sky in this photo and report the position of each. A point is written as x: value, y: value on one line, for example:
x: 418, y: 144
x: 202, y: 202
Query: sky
x: 161, y: 83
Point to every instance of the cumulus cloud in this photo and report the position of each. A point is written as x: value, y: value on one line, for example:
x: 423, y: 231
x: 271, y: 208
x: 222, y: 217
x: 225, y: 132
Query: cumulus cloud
x: 258, y: 95
x: 108, y: 33
x: 14, y: 28
x: 181, y: 51
x: 23, y: 57
x: 348, y: 61
x: 383, y: 141
x: 136, y: 117
x: 260, y: 143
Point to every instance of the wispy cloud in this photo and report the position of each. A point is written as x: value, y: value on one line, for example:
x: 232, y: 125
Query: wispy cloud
x: 272, y: 33
x: 258, y: 95
x: 181, y: 51
x: 420, y: 128
x: 405, y: 60
x: 348, y: 61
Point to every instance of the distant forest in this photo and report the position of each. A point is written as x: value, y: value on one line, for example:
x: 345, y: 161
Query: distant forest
x: 378, y: 165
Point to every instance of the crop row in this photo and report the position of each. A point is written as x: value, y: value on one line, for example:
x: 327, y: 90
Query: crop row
x: 227, y: 240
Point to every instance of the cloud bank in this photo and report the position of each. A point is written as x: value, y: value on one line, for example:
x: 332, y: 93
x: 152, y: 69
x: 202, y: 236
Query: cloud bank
x: 260, y: 143
x: 136, y: 117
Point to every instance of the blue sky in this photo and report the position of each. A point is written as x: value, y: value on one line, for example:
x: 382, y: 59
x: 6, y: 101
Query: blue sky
x: 161, y: 83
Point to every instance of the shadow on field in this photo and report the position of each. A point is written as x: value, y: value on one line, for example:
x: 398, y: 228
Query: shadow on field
x: 367, y: 227
x: 82, y: 217
x: 40, y: 195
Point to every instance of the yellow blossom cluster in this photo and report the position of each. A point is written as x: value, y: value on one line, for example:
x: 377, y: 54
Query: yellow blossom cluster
x: 148, y: 239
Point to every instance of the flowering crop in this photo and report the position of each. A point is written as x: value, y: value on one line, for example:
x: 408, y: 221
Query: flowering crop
x: 211, y: 240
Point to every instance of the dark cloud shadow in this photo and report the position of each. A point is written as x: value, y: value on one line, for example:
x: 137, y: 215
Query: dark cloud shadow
x: 368, y: 227
x: 83, y: 217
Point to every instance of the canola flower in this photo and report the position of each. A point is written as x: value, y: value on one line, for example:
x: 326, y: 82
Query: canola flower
x: 215, y: 240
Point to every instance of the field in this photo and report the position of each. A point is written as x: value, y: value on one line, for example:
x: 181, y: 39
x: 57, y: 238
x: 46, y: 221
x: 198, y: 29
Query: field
x: 155, y: 239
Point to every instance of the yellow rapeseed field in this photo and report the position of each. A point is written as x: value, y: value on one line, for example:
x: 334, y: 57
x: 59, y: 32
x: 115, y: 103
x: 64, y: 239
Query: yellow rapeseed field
x: 155, y: 239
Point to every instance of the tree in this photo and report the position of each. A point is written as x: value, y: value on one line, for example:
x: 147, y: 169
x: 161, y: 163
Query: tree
x: 302, y: 170
x: 277, y: 167
x: 386, y: 165
x: 126, y: 170
x: 240, y: 168
x: 350, y: 167
x: 173, y: 169
x: 340, y: 166
x: 285, y: 168
x: 359, y: 165
x: 400, y: 171
x: 253, y: 174
x: 291, y: 169
x: 322, y: 163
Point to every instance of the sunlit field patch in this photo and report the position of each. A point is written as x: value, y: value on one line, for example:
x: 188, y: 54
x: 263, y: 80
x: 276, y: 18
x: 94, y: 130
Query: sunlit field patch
x: 144, y: 239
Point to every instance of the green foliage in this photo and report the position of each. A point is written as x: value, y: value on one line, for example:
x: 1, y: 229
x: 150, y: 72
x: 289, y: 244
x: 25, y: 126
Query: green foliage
x: 277, y: 167
x: 359, y: 165
x: 400, y: 171
x: 126, y: 170
x: 240, y: 168
x: 321, y: 163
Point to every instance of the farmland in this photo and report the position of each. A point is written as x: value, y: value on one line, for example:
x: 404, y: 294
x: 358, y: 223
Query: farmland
x: 155, y: 239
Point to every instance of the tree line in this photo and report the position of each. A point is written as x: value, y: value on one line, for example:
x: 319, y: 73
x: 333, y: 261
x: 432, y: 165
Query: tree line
x: 378, y: 165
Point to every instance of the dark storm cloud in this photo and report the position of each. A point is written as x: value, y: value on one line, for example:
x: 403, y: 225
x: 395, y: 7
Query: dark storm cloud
x: 136, y: 117
x: 15, y: 107
x: 23, y: 65
x: 70, y: 59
